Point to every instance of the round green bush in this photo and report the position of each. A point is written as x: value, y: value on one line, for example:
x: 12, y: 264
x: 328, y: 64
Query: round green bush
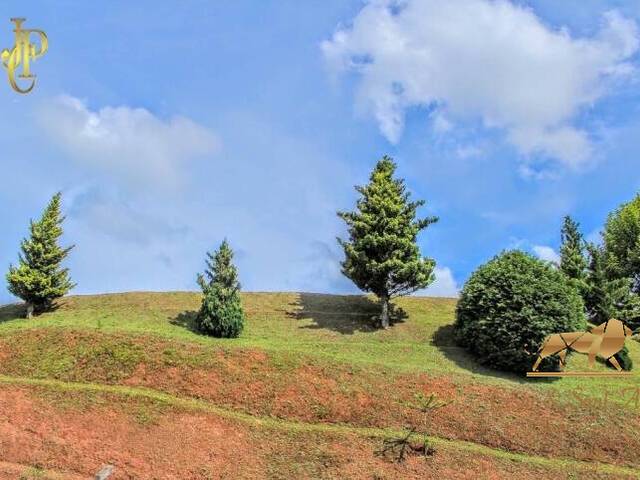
x: 508, y: 307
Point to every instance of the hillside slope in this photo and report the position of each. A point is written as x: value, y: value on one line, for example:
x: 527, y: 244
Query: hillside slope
x: 308, y: 391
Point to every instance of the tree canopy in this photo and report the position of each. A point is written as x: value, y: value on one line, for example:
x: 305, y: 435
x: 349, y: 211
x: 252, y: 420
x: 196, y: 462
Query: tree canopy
x: 381, y: 254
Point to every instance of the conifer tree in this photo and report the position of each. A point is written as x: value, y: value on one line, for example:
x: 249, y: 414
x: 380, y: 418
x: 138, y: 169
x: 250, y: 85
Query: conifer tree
x: 608, y: 297
x: 572, y: 259
x: 221, y: 313
x: 381, y: 255
x: 599, y: 300
x: 39, y: 278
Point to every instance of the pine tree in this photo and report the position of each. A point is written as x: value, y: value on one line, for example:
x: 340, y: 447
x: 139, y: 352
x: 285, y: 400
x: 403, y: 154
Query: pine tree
x: 572, y: 259
x: 607, y: 297
x: 598, y: 299
x: 381, y: 255
x: 221, y: 313
x: 39, y: 279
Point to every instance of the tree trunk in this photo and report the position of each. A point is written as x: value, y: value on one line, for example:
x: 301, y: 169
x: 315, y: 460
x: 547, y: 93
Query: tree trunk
x: 384, y: 317
x: 30, y: 309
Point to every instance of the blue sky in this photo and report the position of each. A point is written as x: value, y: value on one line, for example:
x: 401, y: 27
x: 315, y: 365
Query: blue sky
x: 169, y: 126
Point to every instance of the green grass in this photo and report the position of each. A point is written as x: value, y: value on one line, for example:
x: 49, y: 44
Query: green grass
x: 60, y: 352
x: 333, y: 328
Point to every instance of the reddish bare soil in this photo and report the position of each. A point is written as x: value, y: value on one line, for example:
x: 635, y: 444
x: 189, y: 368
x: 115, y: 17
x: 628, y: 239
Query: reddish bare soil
x: 502, y: 418
x: 252, y: 381
x: 76, y: 436
x: 179, y: 446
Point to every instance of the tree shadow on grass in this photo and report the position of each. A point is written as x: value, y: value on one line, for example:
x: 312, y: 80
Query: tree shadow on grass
x: 186, y: 319
x: 443, y: 339
x: 18, y: 311
x: 344, y: 314
x: 13, y: 311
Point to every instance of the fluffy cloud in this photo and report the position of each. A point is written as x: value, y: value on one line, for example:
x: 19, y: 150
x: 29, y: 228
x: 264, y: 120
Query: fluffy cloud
x: 444, y: 286
x: 129, y: 142
x: 277, y: 209
x: 492, y: 61
x: 109, y: 212
x: 546, y: 253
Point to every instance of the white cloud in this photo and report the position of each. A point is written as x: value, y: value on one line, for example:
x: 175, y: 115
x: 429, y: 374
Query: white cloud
x: 278, y: 215
x: 444, y: 285
x: 131, y: 143
x: 492, y: 61
x: 109, y: 212
x: 546, y: 253
x: 440, y: 123
x: 468, y: 151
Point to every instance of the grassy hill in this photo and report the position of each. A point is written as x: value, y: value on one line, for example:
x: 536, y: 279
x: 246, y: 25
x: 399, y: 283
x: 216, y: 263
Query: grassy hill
x: 310, y: 390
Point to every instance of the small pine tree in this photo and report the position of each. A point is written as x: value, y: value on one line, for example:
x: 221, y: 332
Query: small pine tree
x: 382, y: 255
x: 39, y: 279
x: 221, y: 313
x: 572, y: 258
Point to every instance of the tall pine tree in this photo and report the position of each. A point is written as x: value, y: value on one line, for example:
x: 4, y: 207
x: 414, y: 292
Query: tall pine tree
x: 221, y: 313
x: 381, y: 255
x: 602, y: 293
x: 572, y: 259
x: 573, y: 262
x: 39, y: 278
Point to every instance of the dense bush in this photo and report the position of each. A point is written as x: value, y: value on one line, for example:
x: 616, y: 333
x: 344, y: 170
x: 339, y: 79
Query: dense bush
x: 509, y: 305
x: 622, y: 241
x: 621, y: 263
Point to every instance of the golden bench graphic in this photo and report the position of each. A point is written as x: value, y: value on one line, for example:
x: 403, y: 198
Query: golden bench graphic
x: 605, y: 340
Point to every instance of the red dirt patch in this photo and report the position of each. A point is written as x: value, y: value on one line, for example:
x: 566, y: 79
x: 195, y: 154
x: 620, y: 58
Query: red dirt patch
x: 311, y: 456
x: 295, y: 388
x: 511, y: 419
x: 77, y: 438
x: 181, y: 445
